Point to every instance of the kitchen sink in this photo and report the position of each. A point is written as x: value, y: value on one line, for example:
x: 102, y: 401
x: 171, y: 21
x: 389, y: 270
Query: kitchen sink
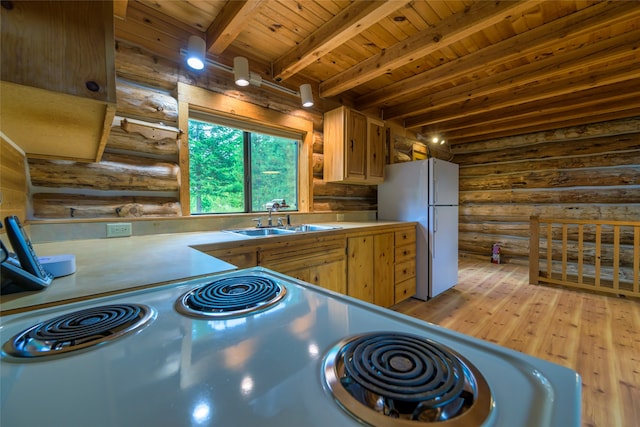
x: 274, y: 231
x: 310, y: 227
x: 258, y: 232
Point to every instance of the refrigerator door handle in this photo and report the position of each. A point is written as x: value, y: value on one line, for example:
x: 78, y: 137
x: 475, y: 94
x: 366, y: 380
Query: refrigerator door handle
x: 433, y: 250
x: 435, y: 229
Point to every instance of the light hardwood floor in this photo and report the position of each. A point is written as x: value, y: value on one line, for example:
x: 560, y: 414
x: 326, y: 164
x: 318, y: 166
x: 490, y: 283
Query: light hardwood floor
x: 596, y: 335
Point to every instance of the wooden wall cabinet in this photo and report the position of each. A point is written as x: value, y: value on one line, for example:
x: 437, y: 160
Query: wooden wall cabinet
x: 58, y: 77
x: 354, y: 147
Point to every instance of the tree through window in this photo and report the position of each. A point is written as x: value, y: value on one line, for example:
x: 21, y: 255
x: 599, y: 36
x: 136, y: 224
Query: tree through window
x: 231, y: 170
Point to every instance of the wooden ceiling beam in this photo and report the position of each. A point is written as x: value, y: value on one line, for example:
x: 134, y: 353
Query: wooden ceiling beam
x: 561, y: 106
x: 351, y: 21
x: 552, y: 122
x: 230, y: 22
x: 627, y: 70
x: 585, y: 21
x: 585, y: 106
x: 573, y: 62
x: 475, y: 18
x: 558, y: 109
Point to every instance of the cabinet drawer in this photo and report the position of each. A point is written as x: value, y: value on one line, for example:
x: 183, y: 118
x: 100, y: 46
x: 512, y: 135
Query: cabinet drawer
x: 404, y: 237
x: 405, y: 270
x: 405, y: 253
x: 404, y: 290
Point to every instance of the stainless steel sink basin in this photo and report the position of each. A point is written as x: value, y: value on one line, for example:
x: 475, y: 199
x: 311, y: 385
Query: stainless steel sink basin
x: 258, y: 232
x: 310, y: 227
x: 274, y: 231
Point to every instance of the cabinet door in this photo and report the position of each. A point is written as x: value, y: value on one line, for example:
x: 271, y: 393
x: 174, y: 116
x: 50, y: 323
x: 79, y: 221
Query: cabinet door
x: 360, y: 274
x: 60, y: 46
x: 330, y: 276
x: 383, y: 268
x: 376, y: 154
x: 356, y: 146
x: 300, y: 273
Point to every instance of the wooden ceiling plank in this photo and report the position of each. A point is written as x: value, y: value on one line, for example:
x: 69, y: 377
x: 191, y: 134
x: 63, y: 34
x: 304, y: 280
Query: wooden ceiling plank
x: 186, y: 12
x: 476, y: 17
x: 622, y: 128
x: 554, y: 121
x: 579, y: 23
x: 585, y: 103
x: 229, y: 23
x: 614, y: 74
x: 562, y: 105
x: 577, y: 60
x: 347, y: 24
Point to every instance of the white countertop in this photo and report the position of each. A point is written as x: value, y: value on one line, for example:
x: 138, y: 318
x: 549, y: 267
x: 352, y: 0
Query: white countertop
x: 107, y: 266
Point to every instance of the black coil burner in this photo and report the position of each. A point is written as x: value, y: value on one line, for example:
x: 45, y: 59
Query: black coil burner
x: 231, y: 296
x: 78, y: 330
x: 394, y: 379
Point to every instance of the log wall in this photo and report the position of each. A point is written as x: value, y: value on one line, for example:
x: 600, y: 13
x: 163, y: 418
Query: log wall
x: 139, y: 176
x: 585, y: 172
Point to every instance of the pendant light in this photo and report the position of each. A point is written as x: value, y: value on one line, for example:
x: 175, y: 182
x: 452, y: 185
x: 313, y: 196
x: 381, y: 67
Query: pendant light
x: 241, y: 71
x: 196, y: 52
x: 306, y: 95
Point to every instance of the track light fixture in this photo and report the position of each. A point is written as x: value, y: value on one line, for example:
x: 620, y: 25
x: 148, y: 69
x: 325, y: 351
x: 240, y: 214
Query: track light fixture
x: 241, y: 71
x: 196, y: 59
x: 196, y: 52
x: 306, y: 95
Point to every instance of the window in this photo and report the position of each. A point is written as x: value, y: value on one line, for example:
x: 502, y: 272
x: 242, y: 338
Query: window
x: 199, y: 104
x: 233, y: 170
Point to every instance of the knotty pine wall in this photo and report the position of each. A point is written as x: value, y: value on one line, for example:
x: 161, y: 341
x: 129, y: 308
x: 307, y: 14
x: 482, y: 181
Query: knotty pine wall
x: 584, y: 172
x: 138, y: 177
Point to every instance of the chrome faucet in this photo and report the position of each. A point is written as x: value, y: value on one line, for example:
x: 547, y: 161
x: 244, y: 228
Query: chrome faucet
x: 271, y: 208
x: 275, y: 205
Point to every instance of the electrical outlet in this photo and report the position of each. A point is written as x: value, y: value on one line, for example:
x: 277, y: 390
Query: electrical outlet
x: 120, y: 229
x: 339, y: 217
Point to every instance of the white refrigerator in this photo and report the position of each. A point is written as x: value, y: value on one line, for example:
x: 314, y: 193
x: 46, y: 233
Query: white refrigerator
x: 426, y: 191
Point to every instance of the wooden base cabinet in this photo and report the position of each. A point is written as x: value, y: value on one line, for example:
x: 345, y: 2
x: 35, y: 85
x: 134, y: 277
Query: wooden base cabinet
x: 378, y: 267
x: 370, y: 269
x: 319, y: 260
x: 405, y: 264
x: 325, y: 267
x: 241, y: 257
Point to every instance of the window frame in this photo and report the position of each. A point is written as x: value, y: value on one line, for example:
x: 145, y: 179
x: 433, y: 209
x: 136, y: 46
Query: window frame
x: 192, y: 98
